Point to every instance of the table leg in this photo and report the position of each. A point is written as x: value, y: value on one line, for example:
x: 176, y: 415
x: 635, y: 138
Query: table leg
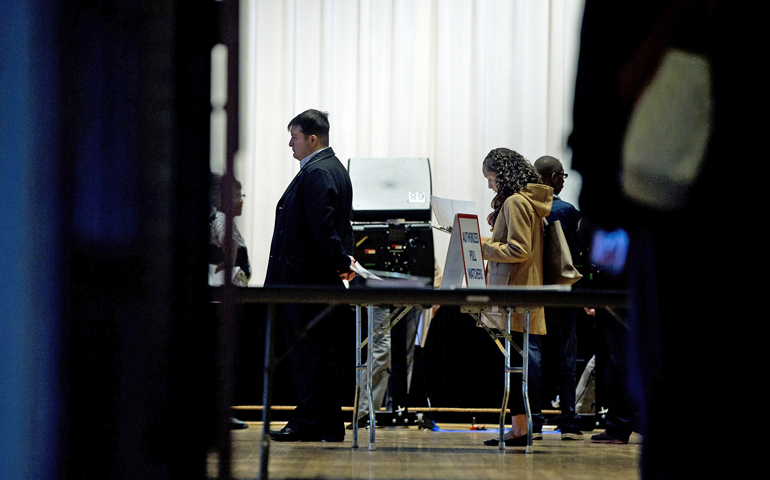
x: 372, y: 421
x: 507, y: 379
x: 525, y: 381
x: 359, y: 366
x: 267, y: 393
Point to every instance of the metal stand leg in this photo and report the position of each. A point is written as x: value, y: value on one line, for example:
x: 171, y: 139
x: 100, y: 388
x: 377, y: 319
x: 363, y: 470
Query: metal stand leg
x: 507, y: 380
x: 267, y: 393
x: 370, y: 399
x: 525, y: 381
x: 359, y: 367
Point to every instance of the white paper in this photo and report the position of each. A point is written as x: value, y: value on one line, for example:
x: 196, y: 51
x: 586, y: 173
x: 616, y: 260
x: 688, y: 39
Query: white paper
x: 217, y: 279
x: 445, y: 209
x: 360, y: 270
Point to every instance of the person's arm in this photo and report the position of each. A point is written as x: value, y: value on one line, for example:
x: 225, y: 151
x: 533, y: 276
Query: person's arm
x: 320, y: 202
x: 518, y: 245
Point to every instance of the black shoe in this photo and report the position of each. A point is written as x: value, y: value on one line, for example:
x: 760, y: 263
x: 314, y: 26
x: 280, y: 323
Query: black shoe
x: 571, y: 434
x: 236, y: 424
x: 287, y: 434
x: 509, y: 442
x: 605, y: 437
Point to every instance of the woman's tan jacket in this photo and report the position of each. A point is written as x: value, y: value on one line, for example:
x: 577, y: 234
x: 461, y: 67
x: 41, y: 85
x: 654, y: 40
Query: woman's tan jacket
x: 515, y: 251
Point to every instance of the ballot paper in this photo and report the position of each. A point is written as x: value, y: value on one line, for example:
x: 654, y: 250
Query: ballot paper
x: 361, y: 271
x: 445, y: 209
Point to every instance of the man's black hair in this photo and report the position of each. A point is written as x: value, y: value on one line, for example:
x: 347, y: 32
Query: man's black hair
x: 312, y: 122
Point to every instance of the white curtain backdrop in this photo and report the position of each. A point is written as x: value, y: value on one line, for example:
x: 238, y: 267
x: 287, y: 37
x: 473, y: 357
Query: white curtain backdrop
x: 444, y: 79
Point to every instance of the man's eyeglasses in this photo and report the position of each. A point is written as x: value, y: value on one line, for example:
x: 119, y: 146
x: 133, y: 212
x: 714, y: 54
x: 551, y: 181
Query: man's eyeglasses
x: 564, y: 175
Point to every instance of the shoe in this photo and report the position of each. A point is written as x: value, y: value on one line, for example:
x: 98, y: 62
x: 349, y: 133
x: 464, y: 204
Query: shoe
x: 571, y: 434
x: 425, y: 422
x: 537, y: 435
x: 236, y: 424
x: 605, y: 437
x: 363, y: 422
x: 287, y: 434
x: 509, y: 442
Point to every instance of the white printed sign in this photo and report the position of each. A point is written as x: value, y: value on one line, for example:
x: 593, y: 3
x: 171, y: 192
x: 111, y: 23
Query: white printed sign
x: 464, y: 260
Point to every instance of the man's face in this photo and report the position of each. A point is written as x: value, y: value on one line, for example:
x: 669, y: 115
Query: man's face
x: 557, y: 180
x: 300, y: 144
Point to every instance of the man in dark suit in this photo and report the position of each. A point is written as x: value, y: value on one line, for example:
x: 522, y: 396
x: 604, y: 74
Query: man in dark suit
x: 311, y: 243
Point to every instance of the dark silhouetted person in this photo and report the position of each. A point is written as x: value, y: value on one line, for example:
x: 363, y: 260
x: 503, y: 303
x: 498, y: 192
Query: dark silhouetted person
x: 688, y: 259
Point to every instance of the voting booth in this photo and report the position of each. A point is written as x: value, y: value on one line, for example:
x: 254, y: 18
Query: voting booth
x: 390, y: 188
x: 464, y: 264
x: 392, y: 237
x: 391, y: 215
x: 392, y: 199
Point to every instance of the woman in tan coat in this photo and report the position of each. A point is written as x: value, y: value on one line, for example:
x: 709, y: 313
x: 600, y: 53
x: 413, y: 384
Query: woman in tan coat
x: 515, y: 251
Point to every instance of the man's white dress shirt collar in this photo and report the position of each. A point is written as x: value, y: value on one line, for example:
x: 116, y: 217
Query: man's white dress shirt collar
x: 307, y: 159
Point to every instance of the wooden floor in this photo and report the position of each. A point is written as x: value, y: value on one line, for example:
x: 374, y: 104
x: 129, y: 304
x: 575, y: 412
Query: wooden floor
x: 409, y: 453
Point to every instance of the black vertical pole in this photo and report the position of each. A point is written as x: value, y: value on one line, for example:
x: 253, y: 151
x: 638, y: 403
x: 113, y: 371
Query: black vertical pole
x: 229, y: 35
x: 267, y: 393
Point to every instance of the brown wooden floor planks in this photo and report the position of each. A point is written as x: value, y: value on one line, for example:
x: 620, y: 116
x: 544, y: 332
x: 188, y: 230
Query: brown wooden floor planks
x: 409, y: 453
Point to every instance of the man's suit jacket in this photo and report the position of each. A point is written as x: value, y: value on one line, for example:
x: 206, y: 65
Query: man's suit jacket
x: 312, y: 237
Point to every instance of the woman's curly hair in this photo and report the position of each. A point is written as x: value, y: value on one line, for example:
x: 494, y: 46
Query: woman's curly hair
x: 513, y: 172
